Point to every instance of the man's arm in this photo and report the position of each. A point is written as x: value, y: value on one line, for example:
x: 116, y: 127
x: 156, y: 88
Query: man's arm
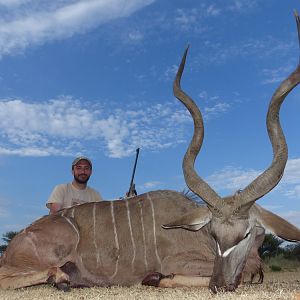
x: 54, y: 207
x: 55, y: 201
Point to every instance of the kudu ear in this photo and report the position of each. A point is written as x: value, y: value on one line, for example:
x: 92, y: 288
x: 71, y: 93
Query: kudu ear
x: 194, y: 221
x: 276, y: 224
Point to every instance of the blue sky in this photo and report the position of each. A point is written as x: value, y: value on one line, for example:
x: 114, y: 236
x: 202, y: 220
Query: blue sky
x: 95, y: 77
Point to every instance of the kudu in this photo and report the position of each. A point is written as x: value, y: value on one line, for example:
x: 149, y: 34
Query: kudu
x: 124, y: 243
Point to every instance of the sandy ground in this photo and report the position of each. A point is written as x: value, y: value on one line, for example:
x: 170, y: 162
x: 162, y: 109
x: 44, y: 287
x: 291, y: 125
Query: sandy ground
x: 276, y: 286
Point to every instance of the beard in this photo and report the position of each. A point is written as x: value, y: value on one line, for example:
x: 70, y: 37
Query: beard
x: 81, y: 178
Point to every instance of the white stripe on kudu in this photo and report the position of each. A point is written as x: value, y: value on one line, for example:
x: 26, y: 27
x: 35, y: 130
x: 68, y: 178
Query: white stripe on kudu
x: 75, y: 229
x: 154, y: 231
x: 72, y: 212
x: 94, y: 228
x: 30, y: 236
x: 116, y: 239
x: 144, y: 238
x: 131, y: 235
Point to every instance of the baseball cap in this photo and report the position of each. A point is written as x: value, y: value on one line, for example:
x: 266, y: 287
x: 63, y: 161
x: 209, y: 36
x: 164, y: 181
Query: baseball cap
x: 78, y: 159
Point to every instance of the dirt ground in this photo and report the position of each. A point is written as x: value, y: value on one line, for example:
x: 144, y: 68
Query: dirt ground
x: 276, y: 286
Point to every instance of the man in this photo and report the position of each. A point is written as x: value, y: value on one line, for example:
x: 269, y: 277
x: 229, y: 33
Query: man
x: 76, y: 192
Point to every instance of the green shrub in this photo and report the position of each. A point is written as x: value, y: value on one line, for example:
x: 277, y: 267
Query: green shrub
x: 282, y: 262
x: 275, y: 268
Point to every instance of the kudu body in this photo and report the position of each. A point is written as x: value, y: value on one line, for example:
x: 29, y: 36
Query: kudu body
x: 123, y: 242
x: 119, y: 243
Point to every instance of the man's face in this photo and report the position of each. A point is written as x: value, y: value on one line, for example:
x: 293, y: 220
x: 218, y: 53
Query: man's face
x: 82, y: 171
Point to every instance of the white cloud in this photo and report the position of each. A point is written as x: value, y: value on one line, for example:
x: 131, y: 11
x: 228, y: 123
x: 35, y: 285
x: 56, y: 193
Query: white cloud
x: 185, y: 18
x: 215, y: 110
x: 3, y: 213
x: 212, y: 10
x: 63, y: 126
x: 242, y: 5
x: 189, y: 19
x: 152, y: 184
x: 36, y: 24
x: 293, y: 192
x: 230, y: 179
x: 149, y: 185
x: 170, y: 73
x: 290, y: 183
x: 4, y: 204
x: 14, y: 227
x: 203, y: 95
x: 276, y: 75
x: 32, y: 151
x: 13, y: 3
x: 292, y: 172
x: 135, y: 36
x: 219, y: 52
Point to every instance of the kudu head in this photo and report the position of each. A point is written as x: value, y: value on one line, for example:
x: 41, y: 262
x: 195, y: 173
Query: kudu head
x: 229, y: 219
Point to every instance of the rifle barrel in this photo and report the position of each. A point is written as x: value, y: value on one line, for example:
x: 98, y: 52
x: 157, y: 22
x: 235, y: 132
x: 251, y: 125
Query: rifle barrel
x: 134, y: 167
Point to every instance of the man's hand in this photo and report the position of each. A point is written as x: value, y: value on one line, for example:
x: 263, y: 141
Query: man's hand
x: 54, y: 207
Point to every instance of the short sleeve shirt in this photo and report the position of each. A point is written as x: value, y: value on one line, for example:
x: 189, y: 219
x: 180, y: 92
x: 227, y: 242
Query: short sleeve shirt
x: 67, y: 195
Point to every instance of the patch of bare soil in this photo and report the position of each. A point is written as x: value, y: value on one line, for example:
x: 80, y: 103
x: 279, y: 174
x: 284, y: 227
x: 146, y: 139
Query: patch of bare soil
x: 276, y: 286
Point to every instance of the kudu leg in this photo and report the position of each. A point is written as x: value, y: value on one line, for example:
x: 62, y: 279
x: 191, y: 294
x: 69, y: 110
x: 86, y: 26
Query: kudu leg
x: 185, y: 281
x: 32, y: 258
x: 175, y: 280
x: 12, y: 278
x: 59, y: 279
x: 9, y: 279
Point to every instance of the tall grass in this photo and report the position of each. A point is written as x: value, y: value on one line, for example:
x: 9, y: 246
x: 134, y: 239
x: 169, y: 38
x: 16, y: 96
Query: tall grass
x: 279, y: 262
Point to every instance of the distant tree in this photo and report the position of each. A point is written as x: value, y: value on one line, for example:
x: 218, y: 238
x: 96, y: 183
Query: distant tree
x: 2, y: 249
x: 7, y: 237
x: 271, y: 246
x: 292, y: 251
x: 296, y: 251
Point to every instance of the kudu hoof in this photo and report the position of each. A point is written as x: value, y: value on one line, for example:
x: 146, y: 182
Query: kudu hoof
x: 63, y: 286
x: 154, y: 279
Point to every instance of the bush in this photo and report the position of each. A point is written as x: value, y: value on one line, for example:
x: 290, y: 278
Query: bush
x: 286, y: 264
x: 2, y: 249
x: 275, y: 268
x: 7, y: 237
x: 271, y: 247
x: 292, y: 251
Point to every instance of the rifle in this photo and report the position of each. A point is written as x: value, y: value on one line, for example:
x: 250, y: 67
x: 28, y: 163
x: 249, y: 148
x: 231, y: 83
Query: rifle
x: 132, y: 192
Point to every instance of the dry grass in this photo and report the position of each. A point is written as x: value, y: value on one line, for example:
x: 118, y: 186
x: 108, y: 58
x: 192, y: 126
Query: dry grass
x: 277, y: 286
